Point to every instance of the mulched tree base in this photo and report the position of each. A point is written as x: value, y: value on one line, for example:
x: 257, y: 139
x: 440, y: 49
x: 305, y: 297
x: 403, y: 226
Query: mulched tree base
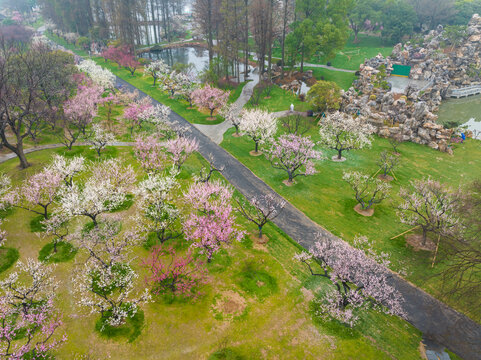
x: 336, y: 159
x: 254, y: 153
x: 360, y: 211
x: 416, y: 241
x: 288, y: 183
x: 236, y: 135
x: 387, y: 178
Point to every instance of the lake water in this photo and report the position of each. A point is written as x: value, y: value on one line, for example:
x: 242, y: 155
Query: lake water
x: 464, y: 111
x: 197, y: 56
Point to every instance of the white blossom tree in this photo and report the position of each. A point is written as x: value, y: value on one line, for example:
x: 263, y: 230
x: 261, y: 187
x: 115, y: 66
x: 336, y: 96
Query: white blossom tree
x: 31, y: 283
x: 98, y: 74
x: 157, y: 70
x: 368, y: 190
x: 106, y: 283
x: 431, y: 206
x: 157, y: 213
x: 231, y: 112
x: 100, y: 138
x: 259, y: 125
x: 67, y: 168
x: 103, y: 191
x: 341, y: 132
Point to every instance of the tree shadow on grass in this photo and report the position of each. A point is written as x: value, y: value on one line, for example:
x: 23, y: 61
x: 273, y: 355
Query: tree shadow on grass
x: 130, y: 330
x: 8, y: 257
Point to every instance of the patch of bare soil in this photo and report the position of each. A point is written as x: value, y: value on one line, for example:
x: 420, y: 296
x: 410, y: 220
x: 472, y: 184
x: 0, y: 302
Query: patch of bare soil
x: 336, y: 159
x: 360, y: 211
x: 416, y: 241
x: 263, y: 240
x: 230, y: 304
x: 288, y: 183
x: 236, y: 135
x: 254, y: 153
x: 387, y: 178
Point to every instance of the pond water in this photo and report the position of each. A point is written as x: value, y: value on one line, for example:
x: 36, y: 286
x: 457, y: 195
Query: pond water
x: 464, y: 111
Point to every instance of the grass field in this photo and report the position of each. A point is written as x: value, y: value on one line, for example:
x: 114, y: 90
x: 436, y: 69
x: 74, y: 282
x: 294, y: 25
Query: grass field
x: 279, y: 100
x: 329, y: 201
x: 237, y: 313
x: 343, y: 79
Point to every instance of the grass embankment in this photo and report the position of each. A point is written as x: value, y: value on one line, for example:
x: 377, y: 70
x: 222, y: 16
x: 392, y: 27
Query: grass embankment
x: 329, y: 201
x: 254, y: 305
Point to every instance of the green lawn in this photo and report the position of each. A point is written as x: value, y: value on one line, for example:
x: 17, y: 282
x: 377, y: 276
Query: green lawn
x: 276, y: 321
x: 329, y: 201
x: 343, y: 79
x: 352, y: 55
x: 279, y: 100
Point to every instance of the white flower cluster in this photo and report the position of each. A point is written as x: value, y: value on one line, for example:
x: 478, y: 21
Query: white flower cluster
x: 99, y: 75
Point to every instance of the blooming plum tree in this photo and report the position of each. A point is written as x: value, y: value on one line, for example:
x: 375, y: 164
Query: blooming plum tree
x: 40, y: 190
x: 230, y: 112
x: 210, y: 98
x: 261, y: 209
x: 345, y: 266
x: 79, y: 112
x: 259, y: 125
x: 368, y: 190
x: 212, y: 224
x: 180, y: 149
x: 31, y: 283
x: 431, y: 206
x: 387, y: 162
x: 103, y: 191
x: 137, y: 112
x: 67, y: 168
x: 100, y: 76
x: 107, y: 279
x: 292, y: 153
x: 341, y: 132
x: 57, y: 226
x: 157, y: 69
x: 177, y: 274
x: 150, y: 153
x: 28, y: 335
x: 157, y: 213
x: 99, y: 138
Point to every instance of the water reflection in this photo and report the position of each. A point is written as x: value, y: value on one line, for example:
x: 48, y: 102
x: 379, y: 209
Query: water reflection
x: 465, y: 111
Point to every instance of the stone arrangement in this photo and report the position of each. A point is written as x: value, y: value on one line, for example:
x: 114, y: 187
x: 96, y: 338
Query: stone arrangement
x: 411, y: 116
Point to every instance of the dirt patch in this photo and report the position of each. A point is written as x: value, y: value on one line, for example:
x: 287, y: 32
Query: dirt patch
x: 416, y: 241
x: 230, y: 304
x: 262, y: 241
x: 288, y: 183
x: 254, y: 153
x: 387, y: 178
x: 236, y: 135
x: 360, y: 211
x: 336, y: 159
x: 308, y: 294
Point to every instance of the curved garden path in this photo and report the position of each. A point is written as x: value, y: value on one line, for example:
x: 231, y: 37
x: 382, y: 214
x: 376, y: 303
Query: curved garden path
x: 437, y: 321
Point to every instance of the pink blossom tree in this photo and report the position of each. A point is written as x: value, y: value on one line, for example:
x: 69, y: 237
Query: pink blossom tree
x: 259, y: 125
x: 260, y: 210
x: 212, y: 222
x: 109, y: 101
x: 431, y: 206
x: 29, y: 335
x: 180, y: 149
x: 293, y: 153
x: 128, y: 61
x: 150, y: 153
x: 137, y: 112
x: 181, y: 275
x: 345, y: 266
x: 38, y: 191
x: 210, y: 98
x: 79, y: 112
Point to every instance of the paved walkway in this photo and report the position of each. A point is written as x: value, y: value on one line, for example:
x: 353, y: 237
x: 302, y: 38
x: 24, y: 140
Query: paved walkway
x: 11, y: 155
x: 437, y: 321
x: 216, y: 132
